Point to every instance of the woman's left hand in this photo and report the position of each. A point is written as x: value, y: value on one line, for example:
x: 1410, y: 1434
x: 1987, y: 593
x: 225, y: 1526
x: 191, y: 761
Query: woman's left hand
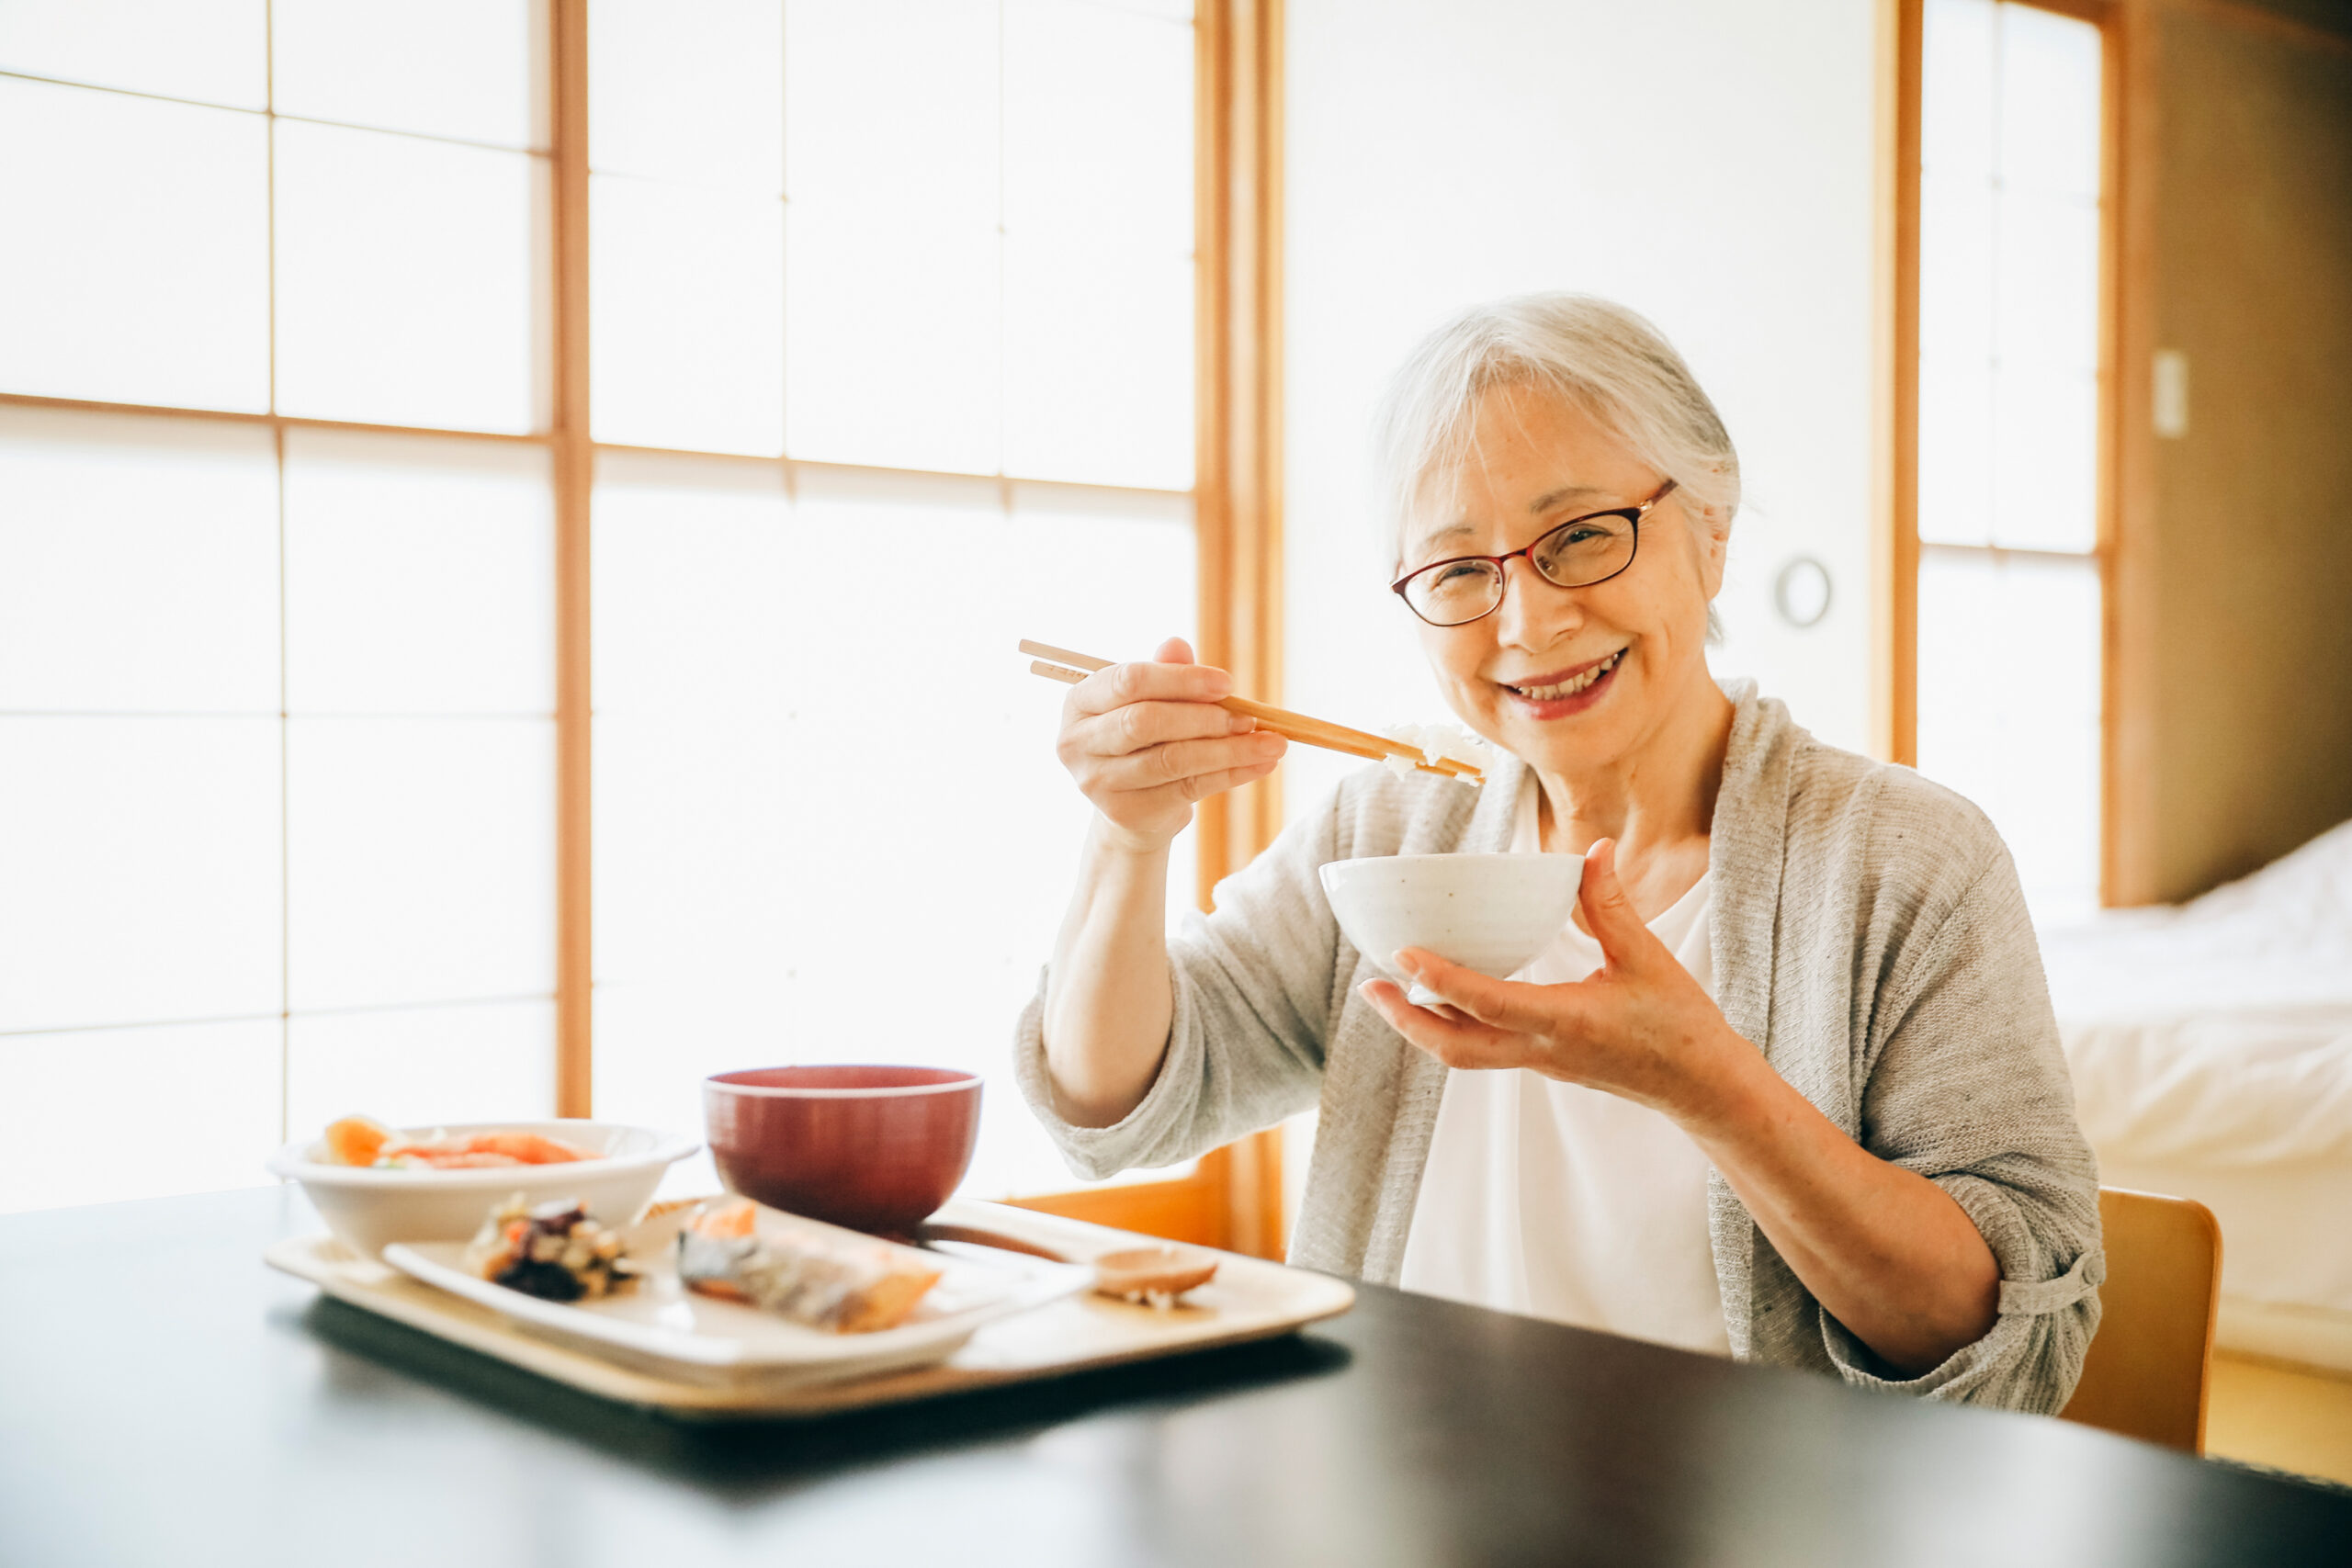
x: 1639, y: 1027
x: 1890, y: 1254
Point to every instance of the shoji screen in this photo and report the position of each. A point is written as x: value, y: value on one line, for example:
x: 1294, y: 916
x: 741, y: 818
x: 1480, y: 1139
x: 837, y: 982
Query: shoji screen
x: 893, y: 346
x: 2009, y: 583
x: 276, y: 751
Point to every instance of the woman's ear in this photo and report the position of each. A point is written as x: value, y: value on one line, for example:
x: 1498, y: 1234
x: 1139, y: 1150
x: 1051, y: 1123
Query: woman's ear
x: 1713, y: 549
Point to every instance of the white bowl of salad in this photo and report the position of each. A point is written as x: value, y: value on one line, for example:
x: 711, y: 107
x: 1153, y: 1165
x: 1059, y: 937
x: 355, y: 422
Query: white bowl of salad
x: 375, y: 1185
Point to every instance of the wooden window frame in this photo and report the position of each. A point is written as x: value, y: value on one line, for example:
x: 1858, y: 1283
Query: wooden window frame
x: 2125, y: 665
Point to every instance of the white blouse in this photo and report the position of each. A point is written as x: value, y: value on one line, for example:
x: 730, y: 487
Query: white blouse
x: 1565, y: 1202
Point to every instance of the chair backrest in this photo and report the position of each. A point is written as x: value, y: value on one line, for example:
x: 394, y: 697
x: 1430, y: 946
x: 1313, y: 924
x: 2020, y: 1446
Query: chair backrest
x: 2146, y: 1372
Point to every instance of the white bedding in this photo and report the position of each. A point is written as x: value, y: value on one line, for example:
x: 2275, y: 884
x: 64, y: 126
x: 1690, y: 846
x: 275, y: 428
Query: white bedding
x: 2211, y: 1051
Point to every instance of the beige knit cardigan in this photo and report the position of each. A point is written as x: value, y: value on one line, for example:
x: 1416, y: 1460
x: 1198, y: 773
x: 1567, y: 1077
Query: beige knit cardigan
x: 1869, y: 936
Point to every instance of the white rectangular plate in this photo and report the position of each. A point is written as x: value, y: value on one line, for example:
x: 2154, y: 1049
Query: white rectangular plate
x: 1249, y: 1298
x: 661, y: 1323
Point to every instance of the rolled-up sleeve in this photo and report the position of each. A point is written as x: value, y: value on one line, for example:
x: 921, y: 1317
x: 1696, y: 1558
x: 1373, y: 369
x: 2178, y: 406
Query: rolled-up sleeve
x: 1968, y: 1087
x: 1251, y: 985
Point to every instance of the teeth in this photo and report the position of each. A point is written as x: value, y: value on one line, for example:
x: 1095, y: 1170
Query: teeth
x: 1571, y: 687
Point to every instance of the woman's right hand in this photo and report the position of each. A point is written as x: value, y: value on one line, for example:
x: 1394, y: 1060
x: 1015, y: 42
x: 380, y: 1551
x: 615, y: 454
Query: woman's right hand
x: 1145, y: 740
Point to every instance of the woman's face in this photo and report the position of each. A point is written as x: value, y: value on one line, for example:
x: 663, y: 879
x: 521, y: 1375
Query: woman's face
x: 1572, y: 680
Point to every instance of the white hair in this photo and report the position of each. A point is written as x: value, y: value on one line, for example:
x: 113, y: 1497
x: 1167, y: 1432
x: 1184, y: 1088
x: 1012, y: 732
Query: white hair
x: 1592, y: 353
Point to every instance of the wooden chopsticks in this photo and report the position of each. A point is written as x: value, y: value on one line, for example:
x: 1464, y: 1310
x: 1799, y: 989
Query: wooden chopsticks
x: 1061, y: 664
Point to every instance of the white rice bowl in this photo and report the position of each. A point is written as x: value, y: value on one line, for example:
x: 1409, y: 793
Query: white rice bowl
x: 369, y: 1209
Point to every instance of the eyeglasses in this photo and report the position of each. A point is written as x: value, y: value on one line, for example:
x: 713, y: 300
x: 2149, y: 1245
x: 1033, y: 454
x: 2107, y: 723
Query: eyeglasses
x: 1577, y: 554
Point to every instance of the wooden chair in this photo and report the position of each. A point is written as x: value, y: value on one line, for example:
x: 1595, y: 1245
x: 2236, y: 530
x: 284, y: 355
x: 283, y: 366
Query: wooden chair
x: 2145, y: 1375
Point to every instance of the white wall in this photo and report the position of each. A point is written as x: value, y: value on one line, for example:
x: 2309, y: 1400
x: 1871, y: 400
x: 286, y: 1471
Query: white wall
x: 1706, y: 162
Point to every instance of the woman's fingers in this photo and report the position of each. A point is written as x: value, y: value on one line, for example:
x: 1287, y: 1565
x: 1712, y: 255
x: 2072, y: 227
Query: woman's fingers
x: 1499, y: 1004
x: 1178, y: 760
x: 1140, y: 725
x: 1151, y: 682
x: 1456, y: 1041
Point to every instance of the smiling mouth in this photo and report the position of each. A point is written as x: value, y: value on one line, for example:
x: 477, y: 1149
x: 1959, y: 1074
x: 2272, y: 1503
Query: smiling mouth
x: 1569, y: 687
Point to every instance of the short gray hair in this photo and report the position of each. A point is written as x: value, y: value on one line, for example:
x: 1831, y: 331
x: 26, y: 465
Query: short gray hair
x: 1590, y: 352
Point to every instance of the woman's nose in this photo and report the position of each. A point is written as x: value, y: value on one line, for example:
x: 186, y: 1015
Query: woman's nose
x: 1535, y: 611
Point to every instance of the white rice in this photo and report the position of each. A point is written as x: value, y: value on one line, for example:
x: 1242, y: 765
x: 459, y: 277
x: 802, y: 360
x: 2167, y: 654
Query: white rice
x: 1448, y: 742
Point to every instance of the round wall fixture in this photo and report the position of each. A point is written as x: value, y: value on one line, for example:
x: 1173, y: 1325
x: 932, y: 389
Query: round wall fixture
x: 1800, y: 592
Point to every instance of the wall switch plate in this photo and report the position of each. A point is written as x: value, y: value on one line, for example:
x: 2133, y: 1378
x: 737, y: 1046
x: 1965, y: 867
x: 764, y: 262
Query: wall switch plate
x: 2172, y: 393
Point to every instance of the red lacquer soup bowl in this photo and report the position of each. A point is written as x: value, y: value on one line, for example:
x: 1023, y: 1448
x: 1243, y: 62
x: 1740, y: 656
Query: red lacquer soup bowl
x: 874, y: 1149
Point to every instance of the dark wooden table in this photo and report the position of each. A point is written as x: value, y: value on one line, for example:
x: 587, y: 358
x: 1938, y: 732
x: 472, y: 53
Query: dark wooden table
x: 165, y: 1399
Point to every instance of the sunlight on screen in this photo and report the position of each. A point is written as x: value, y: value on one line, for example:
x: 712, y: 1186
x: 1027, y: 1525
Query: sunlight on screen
x: 420, y: 860
x: 143, y: 870
x: 204, y: 1118
x: 470, y: 70
x: 411, y: 286
x: 1099, y: 357
x: 1098, y: 126
x: 688, y: 317
x: 825, y: 776
x: 137, y: 564
x: 687, y: 93
x: 150, y: 282
x: 212, y: 52
x: 417, y: 576
x: 891, y: 111
x: 892, y: 342
x: 422, y: 1067
x: 2009, y: 709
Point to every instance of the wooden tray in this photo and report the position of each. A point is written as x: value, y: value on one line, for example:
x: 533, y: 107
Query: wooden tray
x: 1249, y: 1298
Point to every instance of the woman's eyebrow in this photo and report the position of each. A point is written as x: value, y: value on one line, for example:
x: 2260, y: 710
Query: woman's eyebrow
x: 1551, y: 499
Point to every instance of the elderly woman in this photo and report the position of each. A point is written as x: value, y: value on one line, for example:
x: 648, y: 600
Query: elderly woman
x: 1787, y: 1089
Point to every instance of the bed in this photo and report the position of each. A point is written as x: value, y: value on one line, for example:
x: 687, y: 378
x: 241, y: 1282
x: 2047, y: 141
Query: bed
x: 2211, y: 1050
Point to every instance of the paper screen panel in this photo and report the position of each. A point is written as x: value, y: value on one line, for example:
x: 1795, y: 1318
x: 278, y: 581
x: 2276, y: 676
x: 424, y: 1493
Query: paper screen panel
x: 410, y: 281
x: 941, y: 863
x: 419, y: 576
x: 137, y: 564
x: 420, y: 860
x: 694, y: 683
x: 1957, y: 270
x: 779, y: 844
x: 688, y: 317
x: 1098, y: 126
x: 2045, y: 465
x: 212, y: 52
x: 1956, y: 450
x: 152, y: 271
x: 689, y: 93
x: 2049, y: 85
x: 469, y: 70
x: 1960, y: 59
x: 891, y: 109
x: 892, y: 336
x: 2009, y: 709
x: 139, y: 870
x: 422, y: 1067
x: 2047, y: 294
x: 1099, y: 365
x: 204, y: 1117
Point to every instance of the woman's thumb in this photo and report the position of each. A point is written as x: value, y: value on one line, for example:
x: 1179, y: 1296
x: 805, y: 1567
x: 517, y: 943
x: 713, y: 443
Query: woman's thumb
x: 1608, y: 914
x: 1175, y: 650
